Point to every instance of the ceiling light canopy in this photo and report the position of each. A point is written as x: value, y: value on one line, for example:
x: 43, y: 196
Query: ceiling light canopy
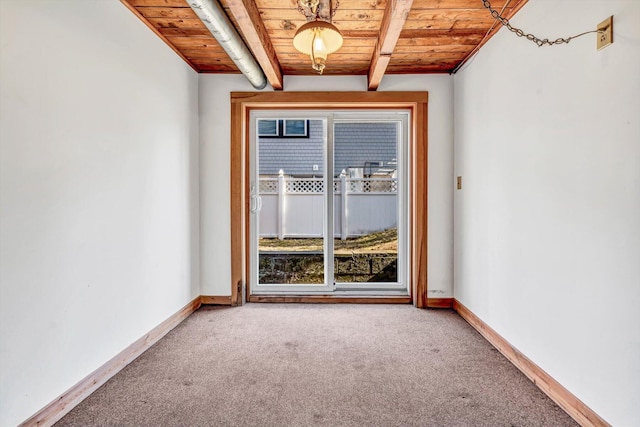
x: 317, y: 38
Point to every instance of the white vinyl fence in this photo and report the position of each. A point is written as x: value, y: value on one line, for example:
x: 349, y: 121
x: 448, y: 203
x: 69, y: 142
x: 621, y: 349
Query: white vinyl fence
x: 294, y: 207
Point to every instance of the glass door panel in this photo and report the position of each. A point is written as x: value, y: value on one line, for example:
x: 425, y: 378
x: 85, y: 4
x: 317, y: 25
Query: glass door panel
x: 289, y: 203
x: 366, y: 203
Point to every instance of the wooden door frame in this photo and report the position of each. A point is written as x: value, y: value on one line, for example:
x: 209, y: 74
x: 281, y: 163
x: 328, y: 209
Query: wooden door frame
x: 241, y: 105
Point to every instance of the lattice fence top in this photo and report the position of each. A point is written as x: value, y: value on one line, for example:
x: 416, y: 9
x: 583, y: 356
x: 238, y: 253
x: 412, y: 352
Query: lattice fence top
x: 372, y: 185
x: 268, y: 186
x: 316, y: 185
x: 304, y: 185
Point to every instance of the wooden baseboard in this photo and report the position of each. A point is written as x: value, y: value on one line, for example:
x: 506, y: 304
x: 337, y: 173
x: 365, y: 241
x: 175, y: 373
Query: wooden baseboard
x: 580, y: 412
x: 215, y: 300
x: 439, y: 302
x: 57, y: 409
x: 330, y: 299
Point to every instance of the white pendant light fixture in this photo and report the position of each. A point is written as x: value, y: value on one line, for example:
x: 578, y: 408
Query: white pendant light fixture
x: 317, y: 39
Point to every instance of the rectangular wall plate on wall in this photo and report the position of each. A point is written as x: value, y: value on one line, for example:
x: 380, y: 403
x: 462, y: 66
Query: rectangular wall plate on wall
x: 605, y: 38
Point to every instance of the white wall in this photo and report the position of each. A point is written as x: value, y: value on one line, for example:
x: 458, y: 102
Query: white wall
x: 547, y: 225
x: 98, y: 190
x: 214, y: 164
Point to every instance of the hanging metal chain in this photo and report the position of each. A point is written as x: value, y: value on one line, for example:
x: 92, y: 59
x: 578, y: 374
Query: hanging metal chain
x: 308, y: 8
x: 334, y: 8
x: 518, y: 32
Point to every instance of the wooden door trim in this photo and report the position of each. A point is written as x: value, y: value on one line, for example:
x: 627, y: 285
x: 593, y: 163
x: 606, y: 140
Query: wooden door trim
x: 241, y: 105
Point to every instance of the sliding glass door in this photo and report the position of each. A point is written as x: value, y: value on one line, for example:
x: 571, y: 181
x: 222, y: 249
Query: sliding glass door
x: 328, y: 202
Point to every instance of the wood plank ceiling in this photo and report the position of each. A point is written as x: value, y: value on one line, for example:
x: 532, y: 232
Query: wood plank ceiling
x: 380, y: 36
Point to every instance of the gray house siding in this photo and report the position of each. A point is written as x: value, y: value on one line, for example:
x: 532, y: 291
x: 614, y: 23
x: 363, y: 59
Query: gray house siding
x: 295, y: 156
x: 356, y: 145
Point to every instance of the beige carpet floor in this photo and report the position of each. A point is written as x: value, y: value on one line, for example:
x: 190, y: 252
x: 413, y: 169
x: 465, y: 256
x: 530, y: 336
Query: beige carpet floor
x: 329, y: 365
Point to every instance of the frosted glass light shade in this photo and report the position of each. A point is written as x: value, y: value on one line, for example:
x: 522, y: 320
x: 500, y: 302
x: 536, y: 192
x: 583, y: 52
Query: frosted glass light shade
x: 317, y: 39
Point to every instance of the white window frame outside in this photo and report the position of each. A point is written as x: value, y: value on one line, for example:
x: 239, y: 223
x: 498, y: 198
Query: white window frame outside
x: 272, y: 135
x: 304, y: 134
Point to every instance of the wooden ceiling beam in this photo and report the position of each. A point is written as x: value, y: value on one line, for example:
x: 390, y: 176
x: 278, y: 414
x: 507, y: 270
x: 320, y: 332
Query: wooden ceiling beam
x: 395, y: 15
x: 250, y: 24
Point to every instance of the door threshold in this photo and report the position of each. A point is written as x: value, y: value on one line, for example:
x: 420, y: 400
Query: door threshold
x: 331, y: 299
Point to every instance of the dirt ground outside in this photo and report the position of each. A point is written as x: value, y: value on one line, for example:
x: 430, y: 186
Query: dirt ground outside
x: 385, y: 241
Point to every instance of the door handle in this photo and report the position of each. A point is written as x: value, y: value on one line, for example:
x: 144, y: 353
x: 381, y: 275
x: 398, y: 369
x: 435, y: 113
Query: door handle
x: 255, y: 204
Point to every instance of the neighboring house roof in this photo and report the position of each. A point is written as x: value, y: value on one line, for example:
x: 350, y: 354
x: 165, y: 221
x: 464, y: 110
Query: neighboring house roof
x: 356, y: 145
